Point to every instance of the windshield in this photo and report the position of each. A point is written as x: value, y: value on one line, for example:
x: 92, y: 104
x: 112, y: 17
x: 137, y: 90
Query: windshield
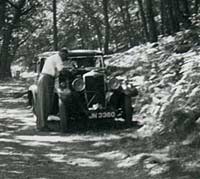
x: 84, y: 62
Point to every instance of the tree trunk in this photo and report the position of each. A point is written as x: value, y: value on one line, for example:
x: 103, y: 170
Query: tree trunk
x: 196, y: 6
x: 164, y: 19
x: 81, y: 35
x: 98, y: 31
x: 5, y: 57
x: 126, y: 27
x: 176, y: 14
x: 166, y: 13
x: 107, y: 26
x: 2, y: 14
x: 129, y: 24
x: 186, y: 13
x: 94, y: 21
x: 174, y: 20
x: 151, y: 22
x: 5, y: 51
x: 55, y: 31
x: 143, y: 18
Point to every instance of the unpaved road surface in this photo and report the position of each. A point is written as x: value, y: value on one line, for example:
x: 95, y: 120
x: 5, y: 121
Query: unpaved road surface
x: 107, y: 153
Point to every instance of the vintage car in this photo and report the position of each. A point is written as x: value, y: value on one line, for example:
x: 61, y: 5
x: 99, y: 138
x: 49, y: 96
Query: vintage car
x: 85, y: 91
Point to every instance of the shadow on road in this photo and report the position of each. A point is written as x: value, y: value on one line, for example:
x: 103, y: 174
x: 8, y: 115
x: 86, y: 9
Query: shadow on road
x: 94, y: 125
x: 91, y: 148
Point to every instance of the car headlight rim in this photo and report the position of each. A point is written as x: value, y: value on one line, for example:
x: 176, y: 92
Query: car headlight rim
x: 114, y: 83
x: 63, y: 85
x: 78, y: 84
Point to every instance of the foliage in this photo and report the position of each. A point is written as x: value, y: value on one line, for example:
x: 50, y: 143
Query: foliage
x: 83, y: 24
x: 17, y: 25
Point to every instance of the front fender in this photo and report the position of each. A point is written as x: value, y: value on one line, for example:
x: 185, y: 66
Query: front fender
x: 129, y: 90
x: 63, y: 94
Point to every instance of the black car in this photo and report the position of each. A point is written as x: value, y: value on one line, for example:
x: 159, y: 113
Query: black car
x: 85, y: 91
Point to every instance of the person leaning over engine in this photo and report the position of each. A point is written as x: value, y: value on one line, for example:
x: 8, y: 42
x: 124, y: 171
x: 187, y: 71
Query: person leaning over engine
x: 51, y: 69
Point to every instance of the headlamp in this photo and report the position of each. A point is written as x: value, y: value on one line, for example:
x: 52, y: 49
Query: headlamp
x: 78, y: 84
x: 114, y: 83
x: 63, y: 85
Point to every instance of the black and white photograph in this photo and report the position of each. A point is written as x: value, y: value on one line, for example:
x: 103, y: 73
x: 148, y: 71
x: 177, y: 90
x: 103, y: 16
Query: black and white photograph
x: 99, y: 89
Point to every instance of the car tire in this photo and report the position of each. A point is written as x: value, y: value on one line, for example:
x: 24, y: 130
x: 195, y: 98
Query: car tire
x: 127, y: 109
x: 64, y: 119
x: 34, y: 111
x: 32, y: 103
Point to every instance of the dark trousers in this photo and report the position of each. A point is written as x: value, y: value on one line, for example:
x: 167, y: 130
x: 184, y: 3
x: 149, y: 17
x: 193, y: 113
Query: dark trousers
x: 44, y: 99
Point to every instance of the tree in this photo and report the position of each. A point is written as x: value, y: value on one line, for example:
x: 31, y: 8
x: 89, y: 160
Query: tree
x: 12, y: 19
x: 175, y: 14
x: 143, y: 19
x: 5, y: 56
x: 107, y: 26
x: 55, y: 31
x: 153, y: 35
x: 185, y: 13
x: 126, y: 19
x: 196, y: 6
x: 95, y: 20
x: 165, y: 27
x: 2, y: 14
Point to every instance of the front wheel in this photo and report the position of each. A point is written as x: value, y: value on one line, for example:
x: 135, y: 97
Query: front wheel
x: 64, y: 118
x: 127, y: 109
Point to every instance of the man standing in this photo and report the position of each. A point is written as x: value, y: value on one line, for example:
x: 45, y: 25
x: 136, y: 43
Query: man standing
x: 51, y: 69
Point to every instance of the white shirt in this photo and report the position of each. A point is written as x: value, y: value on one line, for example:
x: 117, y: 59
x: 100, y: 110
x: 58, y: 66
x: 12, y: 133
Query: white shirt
x: 53, y: 65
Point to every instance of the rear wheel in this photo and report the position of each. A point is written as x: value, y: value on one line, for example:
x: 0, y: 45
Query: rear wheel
x: 33, y: 106
x: 32, y: 102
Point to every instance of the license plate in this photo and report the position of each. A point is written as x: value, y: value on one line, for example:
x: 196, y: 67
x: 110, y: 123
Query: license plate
x: 102, y: 115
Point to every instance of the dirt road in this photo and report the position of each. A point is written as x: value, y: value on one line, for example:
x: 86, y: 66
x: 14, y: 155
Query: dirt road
x: 115, y: 153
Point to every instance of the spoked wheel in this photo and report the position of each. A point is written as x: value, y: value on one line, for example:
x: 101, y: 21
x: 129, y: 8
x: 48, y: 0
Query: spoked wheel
x: 34, y: 110
x: 64, y: 117
x: 32, y: 103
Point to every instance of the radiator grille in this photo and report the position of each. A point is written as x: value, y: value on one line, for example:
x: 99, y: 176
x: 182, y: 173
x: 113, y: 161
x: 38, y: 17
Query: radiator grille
x: 95, y: 90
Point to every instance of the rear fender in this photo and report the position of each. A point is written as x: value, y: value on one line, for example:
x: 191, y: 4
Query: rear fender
x: 32, y: 94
